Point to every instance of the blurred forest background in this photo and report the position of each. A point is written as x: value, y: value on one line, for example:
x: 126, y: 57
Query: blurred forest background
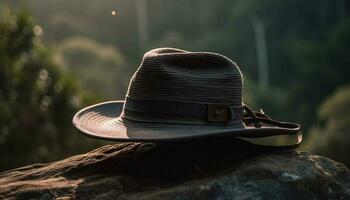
x: 58, y: 56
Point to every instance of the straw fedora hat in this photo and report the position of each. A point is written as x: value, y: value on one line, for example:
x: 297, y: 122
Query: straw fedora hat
x: 181, y: 95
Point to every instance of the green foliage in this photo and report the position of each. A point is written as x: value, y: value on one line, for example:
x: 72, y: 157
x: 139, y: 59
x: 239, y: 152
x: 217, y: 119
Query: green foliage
x: 102, y: 66
x: 331, y: 138
x: 37, y: 101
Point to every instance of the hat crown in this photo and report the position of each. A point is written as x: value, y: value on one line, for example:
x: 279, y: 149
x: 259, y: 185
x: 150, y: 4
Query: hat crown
x: 169, y: 74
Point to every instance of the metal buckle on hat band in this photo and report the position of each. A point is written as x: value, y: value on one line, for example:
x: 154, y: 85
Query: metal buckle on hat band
x: 219, y: 113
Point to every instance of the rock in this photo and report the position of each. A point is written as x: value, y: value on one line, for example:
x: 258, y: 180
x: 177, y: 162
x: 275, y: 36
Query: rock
x: 213, y: 169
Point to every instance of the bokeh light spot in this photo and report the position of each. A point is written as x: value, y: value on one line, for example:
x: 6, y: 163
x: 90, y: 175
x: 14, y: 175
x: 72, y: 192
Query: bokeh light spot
x: 37, y: 30
x: 43, y: 74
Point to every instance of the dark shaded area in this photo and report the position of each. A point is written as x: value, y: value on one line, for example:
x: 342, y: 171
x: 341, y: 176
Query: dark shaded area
x: 180, y: 161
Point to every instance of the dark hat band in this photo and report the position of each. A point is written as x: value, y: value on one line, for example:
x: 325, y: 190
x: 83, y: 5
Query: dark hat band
x: 216, y: 113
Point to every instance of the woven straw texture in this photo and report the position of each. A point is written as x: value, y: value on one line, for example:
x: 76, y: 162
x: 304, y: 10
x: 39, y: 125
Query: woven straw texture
x: 177, y: 75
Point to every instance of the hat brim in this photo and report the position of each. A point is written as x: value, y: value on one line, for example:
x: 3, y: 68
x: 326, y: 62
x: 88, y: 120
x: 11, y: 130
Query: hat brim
x: 102, y: 121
